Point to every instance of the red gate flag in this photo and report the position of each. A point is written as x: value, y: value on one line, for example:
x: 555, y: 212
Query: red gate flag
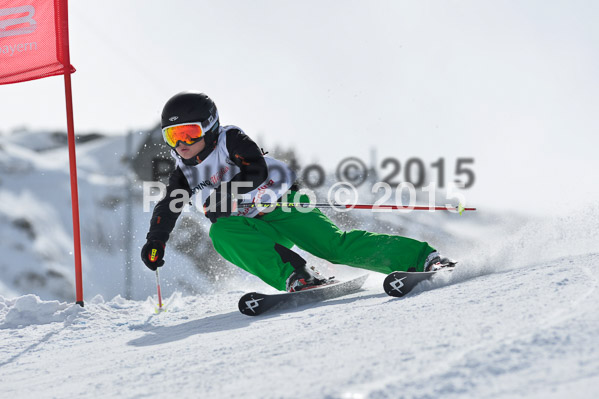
x: 34, y: 40
x: 34, y: 44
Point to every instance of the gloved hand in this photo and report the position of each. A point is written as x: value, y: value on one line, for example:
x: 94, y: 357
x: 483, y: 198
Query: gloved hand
x: 152, y: 254
x: 224, y: 200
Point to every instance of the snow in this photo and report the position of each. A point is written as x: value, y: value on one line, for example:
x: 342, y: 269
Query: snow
x: 517, y: 318
x: 29, y: 309
x: 517, y: 332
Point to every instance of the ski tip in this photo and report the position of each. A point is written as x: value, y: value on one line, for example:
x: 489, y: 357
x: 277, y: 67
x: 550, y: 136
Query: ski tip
x: 393, y: 285
x: 251, y: 304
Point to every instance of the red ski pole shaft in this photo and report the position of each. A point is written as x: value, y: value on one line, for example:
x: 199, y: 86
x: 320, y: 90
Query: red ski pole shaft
x: 410, y: 208
x: 458, y: 208
x: 158, y: 289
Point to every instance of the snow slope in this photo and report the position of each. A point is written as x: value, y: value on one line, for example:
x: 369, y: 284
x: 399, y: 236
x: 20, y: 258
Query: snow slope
x: 518, y: 318
x: 530, y: 331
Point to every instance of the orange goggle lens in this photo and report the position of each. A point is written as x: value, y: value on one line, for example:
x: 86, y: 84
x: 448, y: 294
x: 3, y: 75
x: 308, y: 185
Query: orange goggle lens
x: 188, y: 134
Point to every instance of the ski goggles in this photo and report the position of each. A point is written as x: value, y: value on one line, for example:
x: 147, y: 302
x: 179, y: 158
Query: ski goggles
x: 187, y: 133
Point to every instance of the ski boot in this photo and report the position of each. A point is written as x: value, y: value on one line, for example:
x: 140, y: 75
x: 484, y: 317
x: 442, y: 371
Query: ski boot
x: 304, y: 278
x: 435, y: 262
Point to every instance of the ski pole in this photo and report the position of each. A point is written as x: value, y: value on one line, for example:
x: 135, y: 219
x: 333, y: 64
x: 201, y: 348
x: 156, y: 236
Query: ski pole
x: 460, y: 208
x: 159, y: 293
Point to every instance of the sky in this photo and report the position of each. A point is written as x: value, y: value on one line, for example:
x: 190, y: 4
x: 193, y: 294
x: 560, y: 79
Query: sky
x: 512, y: 85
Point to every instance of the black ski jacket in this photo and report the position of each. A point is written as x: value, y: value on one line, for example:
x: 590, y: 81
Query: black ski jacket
x: 243, y: 152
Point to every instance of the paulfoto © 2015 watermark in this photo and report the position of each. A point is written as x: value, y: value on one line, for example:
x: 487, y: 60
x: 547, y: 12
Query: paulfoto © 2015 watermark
x: 343, y: 195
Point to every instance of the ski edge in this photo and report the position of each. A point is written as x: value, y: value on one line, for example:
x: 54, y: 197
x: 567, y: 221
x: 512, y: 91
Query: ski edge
x: 292, y: 299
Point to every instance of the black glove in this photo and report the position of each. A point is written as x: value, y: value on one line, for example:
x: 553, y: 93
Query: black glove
x: 152, y: 254
x: 225, y: 204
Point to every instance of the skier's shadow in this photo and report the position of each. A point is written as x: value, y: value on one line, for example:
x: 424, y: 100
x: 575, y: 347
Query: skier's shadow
x: 157, y: 335
x: 31, y: 347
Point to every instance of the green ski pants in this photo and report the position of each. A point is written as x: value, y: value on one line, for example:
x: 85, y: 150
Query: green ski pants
x: 250, y: 244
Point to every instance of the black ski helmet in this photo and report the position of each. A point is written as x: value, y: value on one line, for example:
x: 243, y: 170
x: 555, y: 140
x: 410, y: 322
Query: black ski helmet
x: 191, y: 106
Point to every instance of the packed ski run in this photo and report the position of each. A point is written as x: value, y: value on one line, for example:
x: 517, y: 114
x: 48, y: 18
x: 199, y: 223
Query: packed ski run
x: 481, y: 331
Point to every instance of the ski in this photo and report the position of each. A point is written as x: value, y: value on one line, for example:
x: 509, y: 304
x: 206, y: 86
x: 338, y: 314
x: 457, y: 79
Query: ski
x: 255, y: 303
x: 398, y: 284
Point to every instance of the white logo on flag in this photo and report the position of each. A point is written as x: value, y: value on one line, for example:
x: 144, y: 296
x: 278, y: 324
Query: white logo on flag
x: 5, y: 24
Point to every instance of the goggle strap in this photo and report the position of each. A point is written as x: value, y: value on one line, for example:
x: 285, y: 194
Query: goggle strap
x: 211, y: 122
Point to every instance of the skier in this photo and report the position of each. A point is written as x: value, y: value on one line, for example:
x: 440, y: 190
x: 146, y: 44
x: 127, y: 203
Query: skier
x: 213, y: 161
